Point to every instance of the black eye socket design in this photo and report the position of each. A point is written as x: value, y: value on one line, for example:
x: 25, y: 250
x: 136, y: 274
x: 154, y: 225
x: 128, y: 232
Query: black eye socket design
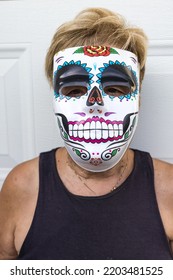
x: 118, y: 80
x: 71, y: 80
x: 73, y: 91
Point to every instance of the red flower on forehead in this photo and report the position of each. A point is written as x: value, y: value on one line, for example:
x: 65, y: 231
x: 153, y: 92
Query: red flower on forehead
x: 96, y: 50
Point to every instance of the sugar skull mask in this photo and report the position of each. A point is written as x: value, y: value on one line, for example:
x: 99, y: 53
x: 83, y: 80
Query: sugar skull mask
x: 96, y: 101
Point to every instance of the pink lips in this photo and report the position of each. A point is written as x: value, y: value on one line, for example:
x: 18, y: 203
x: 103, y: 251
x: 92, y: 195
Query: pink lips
x: 95, y: 119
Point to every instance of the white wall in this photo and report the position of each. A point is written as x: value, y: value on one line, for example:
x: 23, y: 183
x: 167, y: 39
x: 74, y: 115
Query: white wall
x: 27, y: 124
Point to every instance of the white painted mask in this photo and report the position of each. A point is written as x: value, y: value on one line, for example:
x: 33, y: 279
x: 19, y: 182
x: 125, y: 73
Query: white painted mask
x: 96, y: 101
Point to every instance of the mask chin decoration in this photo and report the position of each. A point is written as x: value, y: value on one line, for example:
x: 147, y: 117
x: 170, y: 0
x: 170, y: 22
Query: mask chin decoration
x: 96, y: 101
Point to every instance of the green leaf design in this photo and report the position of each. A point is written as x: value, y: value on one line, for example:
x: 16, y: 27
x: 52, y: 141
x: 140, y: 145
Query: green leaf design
x: 80, y: 50
x: 65, y: 135
x: 114, y: 152
x: 126, y: 135
x: 77, y: 152
x: 113, y: 51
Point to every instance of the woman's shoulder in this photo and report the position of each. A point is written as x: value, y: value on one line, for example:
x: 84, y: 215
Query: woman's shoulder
x: 17, y: 203
x: 163, y: 176
x: 22, y: 176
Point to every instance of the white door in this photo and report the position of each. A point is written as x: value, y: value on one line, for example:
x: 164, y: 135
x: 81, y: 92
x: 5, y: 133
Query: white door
x: 27, y: 124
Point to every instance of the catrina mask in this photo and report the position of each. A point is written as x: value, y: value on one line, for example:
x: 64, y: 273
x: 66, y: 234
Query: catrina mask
x: 96, y: 102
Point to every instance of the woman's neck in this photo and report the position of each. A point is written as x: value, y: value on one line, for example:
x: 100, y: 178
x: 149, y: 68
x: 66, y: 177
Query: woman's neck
x: 82, y: 182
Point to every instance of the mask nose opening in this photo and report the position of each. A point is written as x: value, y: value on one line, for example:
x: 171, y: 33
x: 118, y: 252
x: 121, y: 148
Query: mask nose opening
x: 95, y: 97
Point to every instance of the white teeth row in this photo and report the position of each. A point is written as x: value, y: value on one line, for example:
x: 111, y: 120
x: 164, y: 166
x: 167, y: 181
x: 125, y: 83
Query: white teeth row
x: 96, y: 130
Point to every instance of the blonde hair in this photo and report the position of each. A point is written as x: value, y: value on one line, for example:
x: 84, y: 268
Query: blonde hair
x: 98, y: 26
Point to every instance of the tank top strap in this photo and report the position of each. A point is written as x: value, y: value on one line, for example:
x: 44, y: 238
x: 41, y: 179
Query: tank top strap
x: 47, y: 166
x: 143, y: 163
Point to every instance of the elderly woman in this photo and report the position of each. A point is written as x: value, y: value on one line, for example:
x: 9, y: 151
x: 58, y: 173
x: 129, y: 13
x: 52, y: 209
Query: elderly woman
x: 94, y: 198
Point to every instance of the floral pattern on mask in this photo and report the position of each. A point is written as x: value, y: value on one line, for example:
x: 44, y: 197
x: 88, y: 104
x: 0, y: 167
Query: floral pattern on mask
x: 96, y: 51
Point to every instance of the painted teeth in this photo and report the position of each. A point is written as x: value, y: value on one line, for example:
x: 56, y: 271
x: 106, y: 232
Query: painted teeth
x: 99, y: 132
x: 80, y: 131
x: 96, y: 130
x: 70, y: 130
x: 75, y: 130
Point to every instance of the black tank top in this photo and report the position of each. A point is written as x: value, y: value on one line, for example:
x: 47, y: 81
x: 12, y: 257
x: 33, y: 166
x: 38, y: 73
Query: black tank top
x: 124, y: 224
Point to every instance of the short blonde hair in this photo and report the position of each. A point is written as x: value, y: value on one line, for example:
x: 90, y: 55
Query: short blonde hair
x: 98, y: 26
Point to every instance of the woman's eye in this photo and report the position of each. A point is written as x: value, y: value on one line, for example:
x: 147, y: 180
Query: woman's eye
x: 73, y: 91
x: 117, y: 90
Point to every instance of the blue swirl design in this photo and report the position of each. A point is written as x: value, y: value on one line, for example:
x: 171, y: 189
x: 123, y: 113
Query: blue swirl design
x: 99, y: 75
x: 72, y: 62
